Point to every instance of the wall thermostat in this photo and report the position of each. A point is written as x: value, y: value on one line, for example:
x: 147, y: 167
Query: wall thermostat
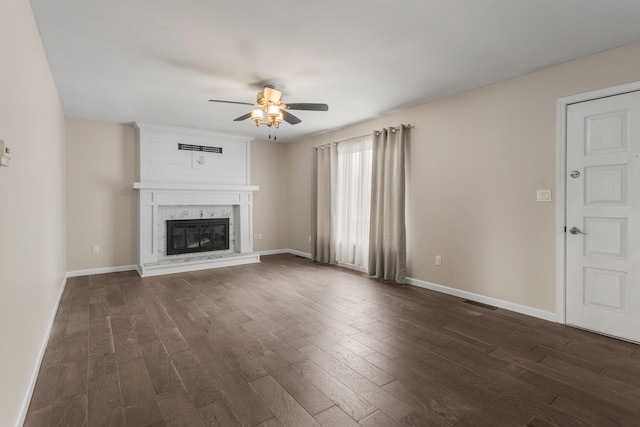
x: 5, y: 154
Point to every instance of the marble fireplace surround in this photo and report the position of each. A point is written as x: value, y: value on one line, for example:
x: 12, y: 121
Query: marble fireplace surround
x: 161, y: 201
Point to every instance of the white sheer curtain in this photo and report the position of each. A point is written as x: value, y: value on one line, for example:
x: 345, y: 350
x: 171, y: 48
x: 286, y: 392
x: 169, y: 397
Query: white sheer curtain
x: 353, y: 201
x: 323, y: 246
x: 387, y: 249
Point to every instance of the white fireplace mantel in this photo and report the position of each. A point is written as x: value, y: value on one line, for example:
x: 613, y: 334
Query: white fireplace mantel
x: 153, y: 196
x: 192, y: 187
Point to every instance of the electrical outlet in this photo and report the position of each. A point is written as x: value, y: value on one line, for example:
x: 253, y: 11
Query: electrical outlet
x: 259, y: 236
x: 96, y: 249
x: 438, y: 260
x: 255, y: 237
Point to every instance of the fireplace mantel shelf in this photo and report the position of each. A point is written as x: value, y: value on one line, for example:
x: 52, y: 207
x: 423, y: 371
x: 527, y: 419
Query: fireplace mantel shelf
x: 196, y: 187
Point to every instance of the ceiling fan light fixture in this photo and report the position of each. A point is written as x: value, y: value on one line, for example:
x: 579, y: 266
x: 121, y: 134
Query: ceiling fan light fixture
x: 269, y: 110
x: 273, y: 110
x: 272, y: 95
x: 257, y: 116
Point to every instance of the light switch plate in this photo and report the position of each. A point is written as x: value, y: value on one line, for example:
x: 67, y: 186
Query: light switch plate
x: 544, y: 195
x: 5, y: 154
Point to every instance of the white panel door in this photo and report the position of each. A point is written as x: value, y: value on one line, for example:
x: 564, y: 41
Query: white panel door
x: 603, y: 216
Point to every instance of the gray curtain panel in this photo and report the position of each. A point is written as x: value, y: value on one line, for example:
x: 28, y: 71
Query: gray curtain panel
x: 323, y: 246
x: 387, y: 239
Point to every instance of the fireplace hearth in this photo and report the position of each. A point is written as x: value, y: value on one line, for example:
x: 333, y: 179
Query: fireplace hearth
x: 197, y: 235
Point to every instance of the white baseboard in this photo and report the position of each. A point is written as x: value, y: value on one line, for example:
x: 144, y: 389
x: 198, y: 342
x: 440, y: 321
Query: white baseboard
x: 285, y: 251
x: 522, y: 309
x: 36, y: 369
x: 103, y: 270
x: 294, y: 252
x: 274, y: 252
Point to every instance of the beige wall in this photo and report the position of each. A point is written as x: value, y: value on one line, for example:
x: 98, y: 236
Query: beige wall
x: 269, y: 171
x: 32, y: 210
x: 476, y: 161
x: 101, y: 205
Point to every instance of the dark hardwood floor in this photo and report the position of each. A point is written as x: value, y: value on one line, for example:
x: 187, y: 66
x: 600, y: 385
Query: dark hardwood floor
x: 288, y: 342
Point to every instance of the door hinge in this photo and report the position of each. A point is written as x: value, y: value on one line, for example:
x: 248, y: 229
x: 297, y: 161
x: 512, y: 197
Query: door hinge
x: 565, y: 228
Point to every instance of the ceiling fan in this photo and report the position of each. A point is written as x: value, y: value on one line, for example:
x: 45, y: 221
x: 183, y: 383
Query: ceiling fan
x: 269, y: 104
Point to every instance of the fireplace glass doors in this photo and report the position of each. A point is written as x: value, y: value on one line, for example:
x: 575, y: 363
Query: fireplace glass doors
x: 197, y: 235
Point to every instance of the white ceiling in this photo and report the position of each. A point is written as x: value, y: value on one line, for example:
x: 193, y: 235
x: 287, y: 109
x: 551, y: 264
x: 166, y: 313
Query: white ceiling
x: 159, y: 61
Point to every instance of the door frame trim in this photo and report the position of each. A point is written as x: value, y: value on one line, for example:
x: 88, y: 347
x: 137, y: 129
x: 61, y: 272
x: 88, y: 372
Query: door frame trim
x: 561, y: 180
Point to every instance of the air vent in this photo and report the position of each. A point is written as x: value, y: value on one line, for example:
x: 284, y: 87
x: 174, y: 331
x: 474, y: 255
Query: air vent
x: 479, y: 304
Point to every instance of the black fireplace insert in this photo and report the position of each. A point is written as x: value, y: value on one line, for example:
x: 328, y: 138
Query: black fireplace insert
x: 197, y: 235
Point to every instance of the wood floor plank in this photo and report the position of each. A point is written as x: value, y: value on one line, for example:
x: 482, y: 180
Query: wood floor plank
x: 156, y: 312
x: 596, y: 417
x: 378, y: 419
x: 611, y: 390
x: 377, y: 345
x: 235, y: 355
x: 389, y: 404
x: 298, y: 386
x: 351, y: 359
x: 471, y: 403
x: 286, y: 409
x: 44, y: 391
x: 476, y: 360
x: 248, y: 407
x: 356, y: 406
x: 161, y: 371
x: 199, y: 384
x: 138, y: 396
x: 70, y: 411
x: 410, y: 378
x: 579, y: 398
x: 568, y: 358
x: 100, y: 337
x: 219, y: 414
x: 102, y: 365
x: 335, y: 417
x: 105, y: 401
x: 72, y: 380
x: 173, y: 340
x: 38, y: 417
x: 433, y: 412
x: 126, y: 347
x: 144, y: 329
x: 272, y: 422
x: 177, y: 410
x: 320, y: 344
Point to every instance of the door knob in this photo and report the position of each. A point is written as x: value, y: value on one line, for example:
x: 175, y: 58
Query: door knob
x: 576, y: 230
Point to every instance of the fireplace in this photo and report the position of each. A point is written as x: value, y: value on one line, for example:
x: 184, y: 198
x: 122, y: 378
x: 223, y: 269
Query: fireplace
x: 197, y: 235
x: 209, y: 181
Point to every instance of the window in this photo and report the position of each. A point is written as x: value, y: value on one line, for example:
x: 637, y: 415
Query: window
x: 353, y: 201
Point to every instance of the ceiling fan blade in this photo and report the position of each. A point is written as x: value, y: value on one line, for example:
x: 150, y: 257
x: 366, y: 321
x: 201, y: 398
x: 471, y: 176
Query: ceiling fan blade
x: 242, y: 117
x: 290, y: 118
x: 307, y: 106
x: 231, y: 102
